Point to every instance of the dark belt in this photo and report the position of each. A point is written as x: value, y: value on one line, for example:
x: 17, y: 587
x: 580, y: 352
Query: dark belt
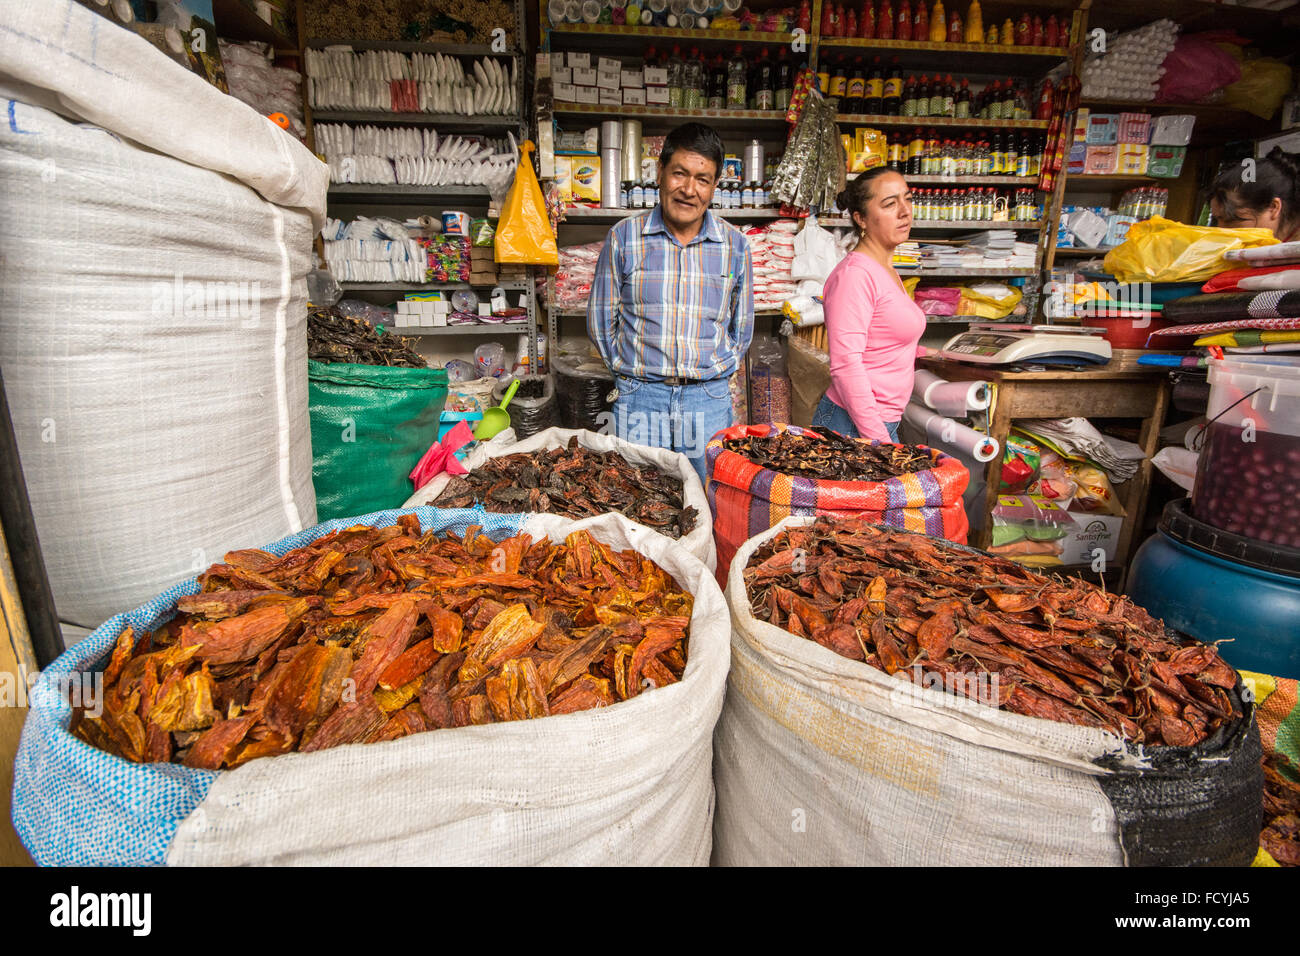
x: 676, y: 382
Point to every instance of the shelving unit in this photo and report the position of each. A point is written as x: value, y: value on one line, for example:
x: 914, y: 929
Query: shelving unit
x: 346, y: 200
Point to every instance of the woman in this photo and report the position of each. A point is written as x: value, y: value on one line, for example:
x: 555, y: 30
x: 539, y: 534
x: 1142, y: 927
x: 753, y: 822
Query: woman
x: 1269, y: 200
x: 872, y: 325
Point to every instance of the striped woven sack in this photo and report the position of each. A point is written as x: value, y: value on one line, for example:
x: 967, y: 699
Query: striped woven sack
x: 747, y: 499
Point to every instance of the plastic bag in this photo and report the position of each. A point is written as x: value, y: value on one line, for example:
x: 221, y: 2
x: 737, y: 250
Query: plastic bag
x: 490, y: 360
x: 459, y: 370
x: 939, y: 300
x: 1020, y: 464
x: 524, y: 231
x: 322, y: 288
x: 1054, y: 481
x: 1160, y: 250
x: 1030, y: 530
x: 1195, y: 69
x: 1263, y: 85
x: 816, y: 253
x: 989, y: 300
x: 1094, y: 493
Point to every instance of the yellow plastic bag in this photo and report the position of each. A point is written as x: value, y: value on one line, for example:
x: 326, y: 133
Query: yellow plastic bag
x: 990, y: 301
x: 1264, y: 83
x: 1160, y: 250
x: 524, y: 229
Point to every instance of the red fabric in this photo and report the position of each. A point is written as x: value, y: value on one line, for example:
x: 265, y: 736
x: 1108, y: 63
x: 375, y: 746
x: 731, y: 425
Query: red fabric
x: 1227, y: 281
x: 441, y: 456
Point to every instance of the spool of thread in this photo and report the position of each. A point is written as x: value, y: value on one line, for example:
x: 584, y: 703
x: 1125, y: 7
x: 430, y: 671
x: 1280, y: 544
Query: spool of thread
x: 631, y: 146
x: 611, y: 172
x: 611, y: 135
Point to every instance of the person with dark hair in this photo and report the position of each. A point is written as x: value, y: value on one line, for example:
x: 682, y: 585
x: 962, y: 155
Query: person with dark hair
x: 1268, y: 198
x: 672, y: 305
x: 872, y: 325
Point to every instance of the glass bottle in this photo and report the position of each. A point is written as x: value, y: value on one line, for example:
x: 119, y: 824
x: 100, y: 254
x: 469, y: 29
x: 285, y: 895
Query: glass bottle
x: 855, y: 97
x: 875, y: 89
x: 892, y: 99
x: 961, y: 107
x: 784, y: 81
x: 736, y: 89
x: 766, y: 92
x: 676, y: 78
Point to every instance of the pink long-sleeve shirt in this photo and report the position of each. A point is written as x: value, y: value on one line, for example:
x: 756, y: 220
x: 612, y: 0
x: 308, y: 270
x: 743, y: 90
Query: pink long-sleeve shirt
x: 872, y: 330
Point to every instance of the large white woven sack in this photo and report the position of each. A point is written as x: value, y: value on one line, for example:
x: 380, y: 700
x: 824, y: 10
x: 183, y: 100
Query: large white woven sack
x: 627, y: 784
x: 822, y: 760
x: 152, y: 285
x: 698, y: 542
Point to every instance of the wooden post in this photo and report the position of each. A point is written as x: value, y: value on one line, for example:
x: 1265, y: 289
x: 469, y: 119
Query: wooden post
x: 16, y: 661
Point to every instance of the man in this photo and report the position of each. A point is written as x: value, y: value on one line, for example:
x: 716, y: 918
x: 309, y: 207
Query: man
x: 672, y: 305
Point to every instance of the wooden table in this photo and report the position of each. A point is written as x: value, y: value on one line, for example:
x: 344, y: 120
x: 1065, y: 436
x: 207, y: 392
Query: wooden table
x: 1120, y: 389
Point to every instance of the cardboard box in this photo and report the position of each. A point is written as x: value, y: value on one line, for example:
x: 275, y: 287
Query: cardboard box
x: 582, y: 60
x: 564, y: 178
x: 562, y: 75
x: 631, y: 78
x: 1092, y: 533
x: 565, y: 93
x: 632, y: 97
x: 610, y: 98
x: 587, y: 94
x: 655, y: 76
x: 579, y: 141
x: 608, y: 81
x: 584, y: 76
x: 656, y: 95
x: 584, y: 178
x: 607, y: 64
x: 557, y: 62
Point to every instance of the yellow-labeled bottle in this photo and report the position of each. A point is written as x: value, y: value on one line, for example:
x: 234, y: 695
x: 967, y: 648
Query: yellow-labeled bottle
x: 1008, y: 33
x: 938, y: 23
x: 991, y: 38
x: 974, y: 23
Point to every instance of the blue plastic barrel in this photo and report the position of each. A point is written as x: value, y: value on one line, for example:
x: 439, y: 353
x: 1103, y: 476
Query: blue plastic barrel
x: 1213, y: 586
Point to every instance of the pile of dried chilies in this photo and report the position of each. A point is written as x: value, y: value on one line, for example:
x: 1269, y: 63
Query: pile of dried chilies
x: 371, y: 634
x: 989, y: 629
x: 831, y: 457
x: 334, y: 337
x: 575, y: 482
x: 1281, y: 835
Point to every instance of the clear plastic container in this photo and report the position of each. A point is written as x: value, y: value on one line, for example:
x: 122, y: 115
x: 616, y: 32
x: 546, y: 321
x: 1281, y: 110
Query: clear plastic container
x: 1248, y: 473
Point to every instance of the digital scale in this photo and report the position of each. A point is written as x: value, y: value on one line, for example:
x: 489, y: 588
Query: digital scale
x: 999, y: 344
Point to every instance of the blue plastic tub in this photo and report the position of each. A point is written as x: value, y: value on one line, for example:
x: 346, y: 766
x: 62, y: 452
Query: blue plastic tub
x: 1213, y: 586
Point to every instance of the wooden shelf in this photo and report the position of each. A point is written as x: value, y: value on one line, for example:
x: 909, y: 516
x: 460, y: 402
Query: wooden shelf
x: 993, y: 273
x: 486, y: 328
x: 999, y: 50
x: 948, y: 122
x: 457, y: 120
x: 583, y: 213
x: 734, y: 119
x: 236, y: 20
x: 579, y: 36
x: 1109, y: 179
x: 509, y: 286
x: 965, y: 180
x: 948, y: 225
x: 402, y: 46
x: 390, y: 193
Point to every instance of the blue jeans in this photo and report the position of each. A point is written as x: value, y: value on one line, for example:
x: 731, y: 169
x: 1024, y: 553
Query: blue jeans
x: 829, y: 415
x: 677, y: 417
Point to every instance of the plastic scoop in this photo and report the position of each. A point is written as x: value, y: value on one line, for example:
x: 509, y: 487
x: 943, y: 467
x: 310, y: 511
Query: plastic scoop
x: 496, y: 419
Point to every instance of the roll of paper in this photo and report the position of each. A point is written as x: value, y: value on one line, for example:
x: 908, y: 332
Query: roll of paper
x: 631, y: 151
x: 941, y: 432
x: 953, y: 399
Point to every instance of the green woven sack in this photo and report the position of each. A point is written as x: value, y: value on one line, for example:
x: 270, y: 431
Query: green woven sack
x: 369, y: 426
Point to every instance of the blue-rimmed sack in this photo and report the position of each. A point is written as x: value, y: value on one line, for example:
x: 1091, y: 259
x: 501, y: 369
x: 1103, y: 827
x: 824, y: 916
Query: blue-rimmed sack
x: 631, y: 783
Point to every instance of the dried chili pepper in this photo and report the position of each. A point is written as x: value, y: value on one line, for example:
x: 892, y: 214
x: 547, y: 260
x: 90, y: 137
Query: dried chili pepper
x: 830, y: 456
x: 373, y: 634
x: 923, y: 608
x: 575, y: 482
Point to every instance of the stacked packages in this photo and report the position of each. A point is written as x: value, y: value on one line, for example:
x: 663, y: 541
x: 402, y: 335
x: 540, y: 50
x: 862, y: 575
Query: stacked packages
x: 772, y: 250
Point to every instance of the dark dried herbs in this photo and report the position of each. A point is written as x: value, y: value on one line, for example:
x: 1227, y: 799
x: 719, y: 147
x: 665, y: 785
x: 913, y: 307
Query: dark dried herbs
x: 371, y: 634
x: 575, y: 482
x: 334, y: 337
x: 987, y: 628
x: 1281, y: 835
x: 831, y: 457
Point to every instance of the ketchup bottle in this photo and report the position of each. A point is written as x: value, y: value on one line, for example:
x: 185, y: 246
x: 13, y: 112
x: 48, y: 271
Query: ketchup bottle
x: 851, y: 22
x: 1044, y: 110
x: 867, y: 21
x: 921, y: 22
x: 828, y: 14
x: 1036, y: 34
x: 805, y: 16
x: 885, y: 21
x: 903, y: 22
x: 1022, y: 30
x: 1052, y: 32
